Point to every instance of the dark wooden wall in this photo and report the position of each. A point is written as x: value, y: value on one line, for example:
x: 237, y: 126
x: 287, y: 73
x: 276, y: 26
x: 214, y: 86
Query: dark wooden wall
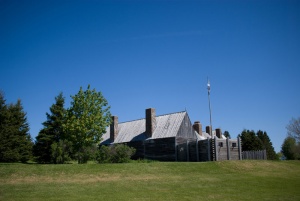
x: 161, y: 149
x: 139, y: 146
x: 204, y: 150
x: 182, y: 149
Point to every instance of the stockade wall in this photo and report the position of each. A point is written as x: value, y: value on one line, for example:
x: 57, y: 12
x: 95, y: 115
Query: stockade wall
x: 139, y: 146
x: 254, y: 155
x: 227, y: 149
x: 162, y: 149
x: 182, y: 149
x: 204, y: 150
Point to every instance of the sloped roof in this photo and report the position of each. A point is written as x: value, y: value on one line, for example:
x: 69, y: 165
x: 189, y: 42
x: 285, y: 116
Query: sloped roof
x: 166, y: 126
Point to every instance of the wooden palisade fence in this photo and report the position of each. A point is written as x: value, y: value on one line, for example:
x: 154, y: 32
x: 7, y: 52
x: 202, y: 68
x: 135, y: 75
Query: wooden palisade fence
x: 254, y: 155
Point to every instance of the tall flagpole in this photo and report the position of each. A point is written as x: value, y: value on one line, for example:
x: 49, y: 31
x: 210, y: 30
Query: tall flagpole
x: 208, y: 89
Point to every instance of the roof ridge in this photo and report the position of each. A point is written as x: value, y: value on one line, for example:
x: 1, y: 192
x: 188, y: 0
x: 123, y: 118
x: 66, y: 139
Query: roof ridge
x: 170, y: 113
x: 155, y: 116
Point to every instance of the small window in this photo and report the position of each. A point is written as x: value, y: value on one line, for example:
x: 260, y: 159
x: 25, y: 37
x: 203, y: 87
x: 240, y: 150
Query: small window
x: 220, y: 144
x: 233, y: 144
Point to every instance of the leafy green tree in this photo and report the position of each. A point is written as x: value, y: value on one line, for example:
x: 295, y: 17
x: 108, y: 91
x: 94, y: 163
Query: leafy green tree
x: 290, y: 149
x: 227, y: 134
x: 250, y: 141
x: 16, y: 144
x: 52, y: 131
x: 267, y: 145
x: 86, y: 120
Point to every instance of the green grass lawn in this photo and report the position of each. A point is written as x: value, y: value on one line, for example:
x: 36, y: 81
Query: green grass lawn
x: 228, y: 180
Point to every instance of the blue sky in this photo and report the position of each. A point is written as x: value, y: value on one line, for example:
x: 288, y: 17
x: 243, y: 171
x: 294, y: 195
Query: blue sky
x: 158, y: 54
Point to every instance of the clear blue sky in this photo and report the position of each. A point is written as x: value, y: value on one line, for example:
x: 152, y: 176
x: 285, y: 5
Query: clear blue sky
x: 158, y: 54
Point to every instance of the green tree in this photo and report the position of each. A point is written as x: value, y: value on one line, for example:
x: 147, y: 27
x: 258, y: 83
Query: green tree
x: 16, y: 144
x: 52, y: 131
x: 4, y: 135
x: 227, y: 134
x: 250, y: 141
x: 267, y: 145
x: 86, y: 120
x: 290, y: 149
x: 293, y: 129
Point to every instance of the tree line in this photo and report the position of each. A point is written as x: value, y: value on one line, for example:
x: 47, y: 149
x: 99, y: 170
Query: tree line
x: 67, y: 134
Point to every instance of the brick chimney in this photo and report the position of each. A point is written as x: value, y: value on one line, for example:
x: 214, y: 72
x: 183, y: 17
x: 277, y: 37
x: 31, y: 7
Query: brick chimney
x: 208, y: 130
x: 150, y: 121
x: 198, y: 127
x: 218, y: 133
x: 113, y: 128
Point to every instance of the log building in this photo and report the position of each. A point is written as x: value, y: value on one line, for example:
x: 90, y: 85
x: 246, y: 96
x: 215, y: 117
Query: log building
x: 171, y: 137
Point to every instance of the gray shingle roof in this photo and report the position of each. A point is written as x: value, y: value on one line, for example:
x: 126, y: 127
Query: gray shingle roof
x: 166, y: 126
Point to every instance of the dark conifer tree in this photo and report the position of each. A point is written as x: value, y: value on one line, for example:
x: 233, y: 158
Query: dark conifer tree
x: 267, y: 145
x: 227, y: 134
x: 52, y: 131
x: 16, y: 144
x: 3, y: 128
x: 250, y: 141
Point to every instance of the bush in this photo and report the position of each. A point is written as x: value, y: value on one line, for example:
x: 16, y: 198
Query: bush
x: 118, y: 153
x: 60, y: 152
x: 86, y: 153
x: 103, y: 155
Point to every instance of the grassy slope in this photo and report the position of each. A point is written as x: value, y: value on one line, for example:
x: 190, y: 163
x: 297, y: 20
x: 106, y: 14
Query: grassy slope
x: 228, y: 180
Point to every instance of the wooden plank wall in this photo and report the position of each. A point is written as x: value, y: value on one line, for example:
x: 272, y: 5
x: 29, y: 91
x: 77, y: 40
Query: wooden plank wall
x: 221, y: 150
x: 227, y: 149
x: 234, y: 149
x: 254, y: 155
x: 139, y: 146
x: 162, y: 149
x: 204, y: 150
x: 182, y: 149
x: 192, y: 149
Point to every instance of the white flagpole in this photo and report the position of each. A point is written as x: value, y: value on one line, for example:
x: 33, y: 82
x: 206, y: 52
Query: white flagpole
x: 208, y: 88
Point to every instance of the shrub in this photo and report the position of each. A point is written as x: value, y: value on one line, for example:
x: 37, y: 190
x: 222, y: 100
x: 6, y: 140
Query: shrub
x: 60, y: 152
x: 118, y: 153
x: 103, y: 155
x: 86, y: 153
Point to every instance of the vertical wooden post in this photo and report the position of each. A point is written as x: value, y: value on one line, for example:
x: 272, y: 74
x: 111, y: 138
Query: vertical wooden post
x: 216, y: 148
x: 208, y: 150
x: 228, y: 149
x: 176, y: 154
x: 197, y: 150
x: 144, y: 143
x: 187, y: 151
x: 239, y: 148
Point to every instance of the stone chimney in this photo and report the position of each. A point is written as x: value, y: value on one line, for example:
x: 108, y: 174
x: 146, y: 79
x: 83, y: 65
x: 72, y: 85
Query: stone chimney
x: 113, y: 128
x: 218, y: 133
x: 198, y: 127
x: 150, y: 121
x: 209, y: 130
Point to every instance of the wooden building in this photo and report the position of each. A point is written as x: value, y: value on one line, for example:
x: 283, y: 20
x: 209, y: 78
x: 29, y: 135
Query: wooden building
x: 170, y: 137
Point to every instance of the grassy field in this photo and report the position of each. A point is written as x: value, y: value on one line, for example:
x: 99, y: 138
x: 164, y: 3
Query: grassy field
x: 228, y: 180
